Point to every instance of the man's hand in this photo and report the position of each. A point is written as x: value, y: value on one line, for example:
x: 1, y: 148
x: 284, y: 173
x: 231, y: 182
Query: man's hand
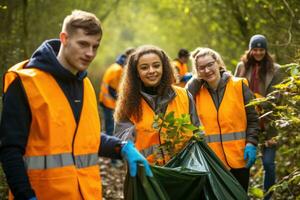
x: 250, y: 154
x: 133, y: 157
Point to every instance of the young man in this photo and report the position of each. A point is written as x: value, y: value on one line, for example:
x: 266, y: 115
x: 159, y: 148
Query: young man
x: 49, y: 133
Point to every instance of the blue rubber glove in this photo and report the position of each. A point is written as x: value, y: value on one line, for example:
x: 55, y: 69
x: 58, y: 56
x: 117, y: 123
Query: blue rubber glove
x: 250, y: 154
x: 186, y: 77
x: 33, y: 198
x: 133, y: 157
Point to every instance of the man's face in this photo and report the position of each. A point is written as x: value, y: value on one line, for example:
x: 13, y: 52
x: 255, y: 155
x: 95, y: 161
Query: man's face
x: 80, y: 50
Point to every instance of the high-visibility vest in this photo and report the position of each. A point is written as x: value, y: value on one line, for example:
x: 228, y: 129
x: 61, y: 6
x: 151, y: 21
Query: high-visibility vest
x: 111, y: 78
x: 148, y: 139
x: 61, y: 156
x: 182, y: 67
x: 225, y: 128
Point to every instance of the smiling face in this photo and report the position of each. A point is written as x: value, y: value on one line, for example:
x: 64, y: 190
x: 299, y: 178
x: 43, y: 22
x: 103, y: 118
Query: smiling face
x: 208, y: 69
x: 150, y: 69
x: 79, y: 50
x: 258, y: 53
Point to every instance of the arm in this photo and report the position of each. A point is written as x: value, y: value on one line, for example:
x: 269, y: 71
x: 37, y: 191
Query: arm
x: 110, y: 147
x: 125, y: 130
x: 252, y: 117
x: 14, y: 131
x: 238, y: 69
x: 193, y: 111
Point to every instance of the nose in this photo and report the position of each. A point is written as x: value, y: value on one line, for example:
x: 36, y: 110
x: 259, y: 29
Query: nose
x: 151, y: 69
x: 90, y: 52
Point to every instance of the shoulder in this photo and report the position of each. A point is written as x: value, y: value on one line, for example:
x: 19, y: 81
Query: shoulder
x: 194, y: 85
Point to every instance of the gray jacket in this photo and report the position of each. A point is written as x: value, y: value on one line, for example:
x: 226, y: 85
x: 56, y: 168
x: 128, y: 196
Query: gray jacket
x: 252, y: 131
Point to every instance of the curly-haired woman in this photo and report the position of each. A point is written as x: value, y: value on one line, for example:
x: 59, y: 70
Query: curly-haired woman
x: 146, y: 90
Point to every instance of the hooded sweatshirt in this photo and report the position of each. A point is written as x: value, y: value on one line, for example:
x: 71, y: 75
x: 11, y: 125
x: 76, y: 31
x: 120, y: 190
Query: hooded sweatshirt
x: 16, y: 117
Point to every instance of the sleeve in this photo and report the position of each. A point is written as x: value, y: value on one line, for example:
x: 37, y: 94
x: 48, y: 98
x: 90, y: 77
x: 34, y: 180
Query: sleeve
x: 252, y: 117
x: 110, y: 147
x: 237, y: 72
x: 193, y: 86
x: 125, y: 130
x: 193, y: 111
x: 14, y: 131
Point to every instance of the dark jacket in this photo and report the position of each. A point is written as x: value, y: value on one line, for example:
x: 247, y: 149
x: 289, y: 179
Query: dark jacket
x: 252, y: 131
x: 16, y: 117
x: 271, y: 79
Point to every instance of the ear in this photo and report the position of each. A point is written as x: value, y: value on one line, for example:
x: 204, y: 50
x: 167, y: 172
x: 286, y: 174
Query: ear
x: 63, y: 36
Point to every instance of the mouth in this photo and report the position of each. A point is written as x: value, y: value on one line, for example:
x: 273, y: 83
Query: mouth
x: 152, y: 78
x: 85, y: 61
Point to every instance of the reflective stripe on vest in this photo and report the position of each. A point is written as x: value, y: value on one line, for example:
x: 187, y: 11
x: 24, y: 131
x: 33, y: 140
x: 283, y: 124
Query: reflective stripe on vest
x: 60, y: 160
x: 225, y: 137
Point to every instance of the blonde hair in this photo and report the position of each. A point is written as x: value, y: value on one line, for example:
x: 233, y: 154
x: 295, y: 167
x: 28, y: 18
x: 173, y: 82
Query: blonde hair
x: 203, y: 51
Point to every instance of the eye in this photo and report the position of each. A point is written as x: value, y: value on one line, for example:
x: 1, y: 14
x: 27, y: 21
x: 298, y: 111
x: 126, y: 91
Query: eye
x: 82, y: 44
x: 143, y: 67
x: 95, y: 47
x: 156, y: 65
x: 210, y: 64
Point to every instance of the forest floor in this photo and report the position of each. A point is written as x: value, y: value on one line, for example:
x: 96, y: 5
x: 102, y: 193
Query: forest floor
x: 113, y: 177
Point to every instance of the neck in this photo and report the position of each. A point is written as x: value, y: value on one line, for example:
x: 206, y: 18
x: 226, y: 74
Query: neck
x: 214, y: 84
x: 61, y: 59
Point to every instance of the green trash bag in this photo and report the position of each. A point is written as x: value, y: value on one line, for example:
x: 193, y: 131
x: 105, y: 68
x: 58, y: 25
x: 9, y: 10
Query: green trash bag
x: 194, y: 174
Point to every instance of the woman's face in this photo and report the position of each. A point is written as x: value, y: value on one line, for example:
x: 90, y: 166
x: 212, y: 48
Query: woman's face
x: 150, y: 69
x: 208, y: 69
x: 258, y: 53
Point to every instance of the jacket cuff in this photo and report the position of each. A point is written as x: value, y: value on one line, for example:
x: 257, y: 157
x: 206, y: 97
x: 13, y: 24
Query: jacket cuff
x: 24, y: 195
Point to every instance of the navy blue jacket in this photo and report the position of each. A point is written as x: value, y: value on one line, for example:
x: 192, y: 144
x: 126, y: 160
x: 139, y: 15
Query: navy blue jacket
x: 16, y: 118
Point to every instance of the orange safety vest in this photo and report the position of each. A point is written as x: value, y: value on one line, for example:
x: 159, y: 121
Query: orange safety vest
x: 61, y: 156
x: 182, y: 69
x: 111, y: 78
x: 147, y: 139
x: 225, y: 128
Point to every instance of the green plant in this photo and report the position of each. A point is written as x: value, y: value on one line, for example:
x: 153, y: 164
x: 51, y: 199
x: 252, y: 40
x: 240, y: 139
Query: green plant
x: 283, y: 105
x: 174, y: 134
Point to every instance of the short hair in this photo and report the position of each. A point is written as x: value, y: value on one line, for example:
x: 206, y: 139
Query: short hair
x: 183, y: 53
x: 79, y: 19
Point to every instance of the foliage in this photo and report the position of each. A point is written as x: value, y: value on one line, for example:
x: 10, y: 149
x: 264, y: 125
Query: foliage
x: 174, y: 134
x: 286, y: 115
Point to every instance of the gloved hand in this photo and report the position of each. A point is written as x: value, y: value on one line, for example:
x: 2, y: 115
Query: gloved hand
x: 250, y: 154
x: 33, y: 198
x: 186, y: 77
x: 133, y: 157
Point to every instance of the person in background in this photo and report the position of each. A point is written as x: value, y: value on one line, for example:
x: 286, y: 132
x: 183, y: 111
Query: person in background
x: 180, y: 67
x: 50, y: 127
x: 109, y: 90
x: 262, y: 73
x: 231, y: 129
x: 146, y: 90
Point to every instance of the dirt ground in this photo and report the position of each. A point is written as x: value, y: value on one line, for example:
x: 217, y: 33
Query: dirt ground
x: 113, y: 177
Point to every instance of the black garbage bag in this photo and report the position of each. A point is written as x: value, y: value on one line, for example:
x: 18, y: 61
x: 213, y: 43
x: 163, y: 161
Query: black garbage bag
x: 195, y: 173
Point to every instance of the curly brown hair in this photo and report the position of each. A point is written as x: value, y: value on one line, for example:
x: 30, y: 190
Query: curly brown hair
x: 129, y: 99
x: 266, y: 64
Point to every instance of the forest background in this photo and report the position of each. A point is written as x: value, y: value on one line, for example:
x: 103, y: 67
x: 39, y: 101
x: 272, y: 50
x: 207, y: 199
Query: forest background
x: 223, y: 25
